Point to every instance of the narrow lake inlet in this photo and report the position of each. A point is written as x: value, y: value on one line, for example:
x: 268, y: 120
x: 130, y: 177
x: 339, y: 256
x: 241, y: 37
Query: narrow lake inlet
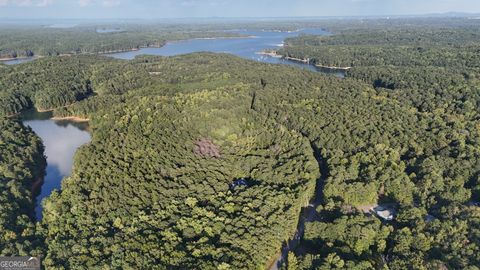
x: 61, y: 139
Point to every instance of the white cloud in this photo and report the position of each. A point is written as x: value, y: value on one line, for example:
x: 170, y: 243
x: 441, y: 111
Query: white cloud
x: 26, y: 3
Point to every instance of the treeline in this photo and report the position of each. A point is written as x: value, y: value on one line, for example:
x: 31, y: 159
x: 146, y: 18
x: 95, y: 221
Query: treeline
x: 19, y: 41
x: 22, y: 166
x: 384, y: 55
x: 402, y: 35
x: 396, y: 46
x: 428, y: 89
x: 39, y: 41
x: 54, y: 82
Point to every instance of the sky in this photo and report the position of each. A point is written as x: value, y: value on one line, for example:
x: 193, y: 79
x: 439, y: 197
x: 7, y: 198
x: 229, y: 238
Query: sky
x: 156, y: 9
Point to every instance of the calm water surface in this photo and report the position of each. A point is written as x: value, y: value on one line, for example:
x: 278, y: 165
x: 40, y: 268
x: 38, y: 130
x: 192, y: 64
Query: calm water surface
x: 247, y: 48
x: 19, y: 61
x: 108, y: 30
x: 61, y: 139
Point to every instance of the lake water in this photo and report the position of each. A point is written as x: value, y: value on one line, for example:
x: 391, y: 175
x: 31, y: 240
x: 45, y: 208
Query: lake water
x: 19, y: 61
x: 62, y: 25
x: 61, y: 140
x: 247, y: 48
x: 108, y: 30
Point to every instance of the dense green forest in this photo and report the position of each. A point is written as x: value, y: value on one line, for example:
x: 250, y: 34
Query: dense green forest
x: 181, y: 159
x: 204, y: 161
x: 60, y: 81
x: 42, y: 41
x: 428, y: 170
x: 407, y: 46
x: 21, y: 165
x: 20, y: 41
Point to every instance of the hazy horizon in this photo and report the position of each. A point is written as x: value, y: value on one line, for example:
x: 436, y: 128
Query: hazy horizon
x: 171, y: 9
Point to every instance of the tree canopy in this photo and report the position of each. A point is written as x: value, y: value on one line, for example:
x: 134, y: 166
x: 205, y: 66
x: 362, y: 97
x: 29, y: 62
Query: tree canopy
x: 205, y: 161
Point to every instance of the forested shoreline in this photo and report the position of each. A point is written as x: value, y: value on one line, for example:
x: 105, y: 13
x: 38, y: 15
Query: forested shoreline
x: 419, y: 45
x: 22, y: 42
x: 204, y: 161
x: 21, y: 165
x: 86, y: 38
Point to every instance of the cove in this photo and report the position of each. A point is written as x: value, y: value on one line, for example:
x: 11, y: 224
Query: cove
x: 61, y: 139
x: 248, y: 47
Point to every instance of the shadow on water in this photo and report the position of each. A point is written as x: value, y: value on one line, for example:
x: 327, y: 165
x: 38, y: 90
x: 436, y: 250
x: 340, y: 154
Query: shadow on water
x: 51, y: 182
x: 339, y: 73
x: 31, y: 115
x: 61, y: 140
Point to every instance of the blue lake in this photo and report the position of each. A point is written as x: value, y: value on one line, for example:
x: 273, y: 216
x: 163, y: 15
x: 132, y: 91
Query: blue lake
x: 108, y: 30
x: 248, y: 47
x: 19, y: 61
x: 61, y: 140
